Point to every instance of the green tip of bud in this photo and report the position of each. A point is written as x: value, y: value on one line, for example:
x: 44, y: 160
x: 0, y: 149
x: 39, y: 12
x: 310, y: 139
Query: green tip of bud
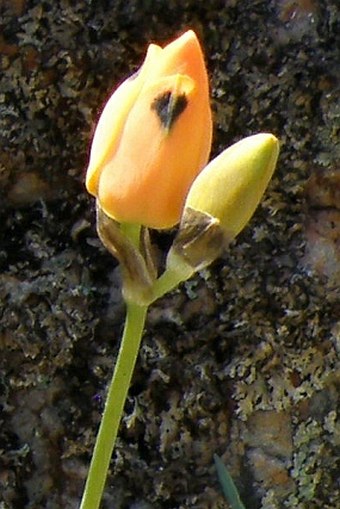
x: 231, y: 186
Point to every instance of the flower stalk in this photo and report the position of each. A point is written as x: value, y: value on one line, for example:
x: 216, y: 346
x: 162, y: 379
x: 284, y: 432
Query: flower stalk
x: 114, y: 406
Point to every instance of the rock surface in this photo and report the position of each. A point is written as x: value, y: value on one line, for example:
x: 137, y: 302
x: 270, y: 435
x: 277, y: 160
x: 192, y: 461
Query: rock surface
x: 243, y: 360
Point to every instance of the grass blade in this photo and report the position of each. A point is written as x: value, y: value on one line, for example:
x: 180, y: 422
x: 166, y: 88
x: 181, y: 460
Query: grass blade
x: 228, y: 486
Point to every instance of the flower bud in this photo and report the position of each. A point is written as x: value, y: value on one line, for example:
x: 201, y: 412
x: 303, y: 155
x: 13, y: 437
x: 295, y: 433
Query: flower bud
x: 221, y: 201
x: 231, y: 186
x: 153, y: 137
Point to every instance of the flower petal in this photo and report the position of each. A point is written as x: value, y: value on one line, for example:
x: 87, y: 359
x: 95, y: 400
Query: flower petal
x: 113, y: 117
x: 154, y: 137
x: 147, y: 179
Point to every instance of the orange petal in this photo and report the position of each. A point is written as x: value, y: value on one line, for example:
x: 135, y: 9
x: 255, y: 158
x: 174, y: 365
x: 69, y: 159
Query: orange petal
x: 141, y: 183
x: 113, y: 117
x: 142, y: 167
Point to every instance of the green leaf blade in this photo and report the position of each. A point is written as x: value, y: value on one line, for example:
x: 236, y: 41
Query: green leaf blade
x: 228, y: 486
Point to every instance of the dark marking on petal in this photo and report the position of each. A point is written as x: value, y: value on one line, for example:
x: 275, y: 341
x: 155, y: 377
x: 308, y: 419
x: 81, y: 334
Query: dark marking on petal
x: 169, y: 107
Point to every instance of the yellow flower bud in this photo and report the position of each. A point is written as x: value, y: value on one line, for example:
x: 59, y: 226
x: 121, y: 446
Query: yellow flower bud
x: 153, y: 137
x: 231, y: 186
x: 220, y: 202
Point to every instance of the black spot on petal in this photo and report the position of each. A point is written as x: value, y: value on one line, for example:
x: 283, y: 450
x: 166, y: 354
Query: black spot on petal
x: 169, y: 107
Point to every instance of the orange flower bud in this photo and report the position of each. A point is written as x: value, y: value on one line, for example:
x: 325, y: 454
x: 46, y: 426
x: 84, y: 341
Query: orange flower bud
x: 153, y: 137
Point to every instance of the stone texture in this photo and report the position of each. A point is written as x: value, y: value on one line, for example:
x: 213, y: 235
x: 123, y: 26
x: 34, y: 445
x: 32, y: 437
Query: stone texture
x: 243, y: 360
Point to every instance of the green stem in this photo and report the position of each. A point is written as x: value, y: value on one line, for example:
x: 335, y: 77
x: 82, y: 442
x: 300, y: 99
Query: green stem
x: 114, y: 406
x: 169, y: 280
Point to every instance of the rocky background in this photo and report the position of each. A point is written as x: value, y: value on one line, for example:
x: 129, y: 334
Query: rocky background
x: 243, y: 360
